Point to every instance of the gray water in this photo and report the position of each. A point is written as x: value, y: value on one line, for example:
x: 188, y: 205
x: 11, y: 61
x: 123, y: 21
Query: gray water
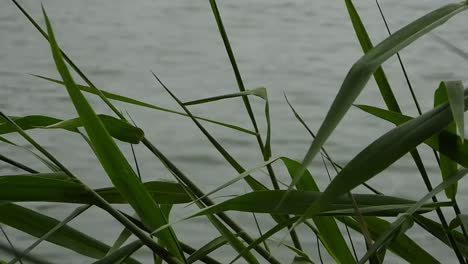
x: 302, y: 48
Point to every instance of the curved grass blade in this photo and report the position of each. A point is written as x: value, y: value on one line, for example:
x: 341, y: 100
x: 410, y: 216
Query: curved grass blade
x: 260, y: 92
x: 458, y: 153
x: 117, y: 128
x: 383, y: 152
x: 360, y: 73
x: 399, y: 224
x: 110, y: 156
x: 37, y: 225
x: 129, y: 100
x: 57, y: 187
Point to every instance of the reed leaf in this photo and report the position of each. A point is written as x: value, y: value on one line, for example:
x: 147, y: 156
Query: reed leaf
x: 36, y: 224
x: 112, y: 160
x: 362, y: 70
x: 57, y: 187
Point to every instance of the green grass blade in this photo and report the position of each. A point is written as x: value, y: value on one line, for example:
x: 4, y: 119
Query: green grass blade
x: 118, y: 129
x: 457, y: 104
x: 366, y: 45
x: 332, y: 238
x: 447, y: 166
x: 128, y: 100
x: 383, y: 152
x: 458, y: 153
x: 120, y: 254
x: 299, y: 201
x: 207, y: 249
x: 110, y: 156
x: 37, y: 225
x: 265, y: 236
x: 360, y: 73
x: 438, y: 231
x: 30, y: 259
x: 69, y: 218
x: 403, y: 246
x: 402, y: 220
x: 260, y: 92
x: 57, y: 187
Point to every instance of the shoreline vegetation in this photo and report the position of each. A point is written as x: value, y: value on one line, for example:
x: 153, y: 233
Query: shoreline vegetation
x: 328, y: 215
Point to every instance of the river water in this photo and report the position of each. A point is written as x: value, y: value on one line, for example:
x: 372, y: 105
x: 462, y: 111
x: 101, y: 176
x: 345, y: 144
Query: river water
x: 301, y: 48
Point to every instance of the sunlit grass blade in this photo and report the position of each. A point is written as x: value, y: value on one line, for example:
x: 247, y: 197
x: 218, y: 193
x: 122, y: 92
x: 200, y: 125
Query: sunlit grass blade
x: 58, y: 187
x: 110, y: 156
x: 402, y: 220
x: 132, y: 101
x: 117, y: 128
x: 36, y: 224
x: 360, y: 73
x: 403, y: 246
x: 332, y: 237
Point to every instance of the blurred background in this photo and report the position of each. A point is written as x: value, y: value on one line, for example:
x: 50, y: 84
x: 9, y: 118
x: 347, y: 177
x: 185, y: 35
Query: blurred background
x: 300, y: 48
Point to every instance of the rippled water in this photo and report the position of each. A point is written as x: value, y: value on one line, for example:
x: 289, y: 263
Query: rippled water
x: 302, y: 48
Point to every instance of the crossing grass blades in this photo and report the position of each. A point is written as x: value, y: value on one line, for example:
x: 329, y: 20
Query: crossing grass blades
x: 329, y: 215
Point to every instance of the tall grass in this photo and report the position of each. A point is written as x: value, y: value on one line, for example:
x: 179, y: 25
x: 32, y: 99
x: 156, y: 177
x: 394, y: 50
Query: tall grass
x: 301, y: 204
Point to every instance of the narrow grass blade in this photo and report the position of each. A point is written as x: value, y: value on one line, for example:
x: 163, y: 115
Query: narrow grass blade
x: 117, y: 128
x: 265, y: 236
x: 69, y: 218
x: 121, y: 253
x: 30, y: 259
x: 332, y: 238
x: 207, y: 249
x: 58, y: 187
x: 399, y: 224
x: 37, y: 225
x: 260, y: 92
x: 128, y: 100
x: 123, y: 236
x: 438, y: 231
x: 110, y: 156
x: 360, y: 73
